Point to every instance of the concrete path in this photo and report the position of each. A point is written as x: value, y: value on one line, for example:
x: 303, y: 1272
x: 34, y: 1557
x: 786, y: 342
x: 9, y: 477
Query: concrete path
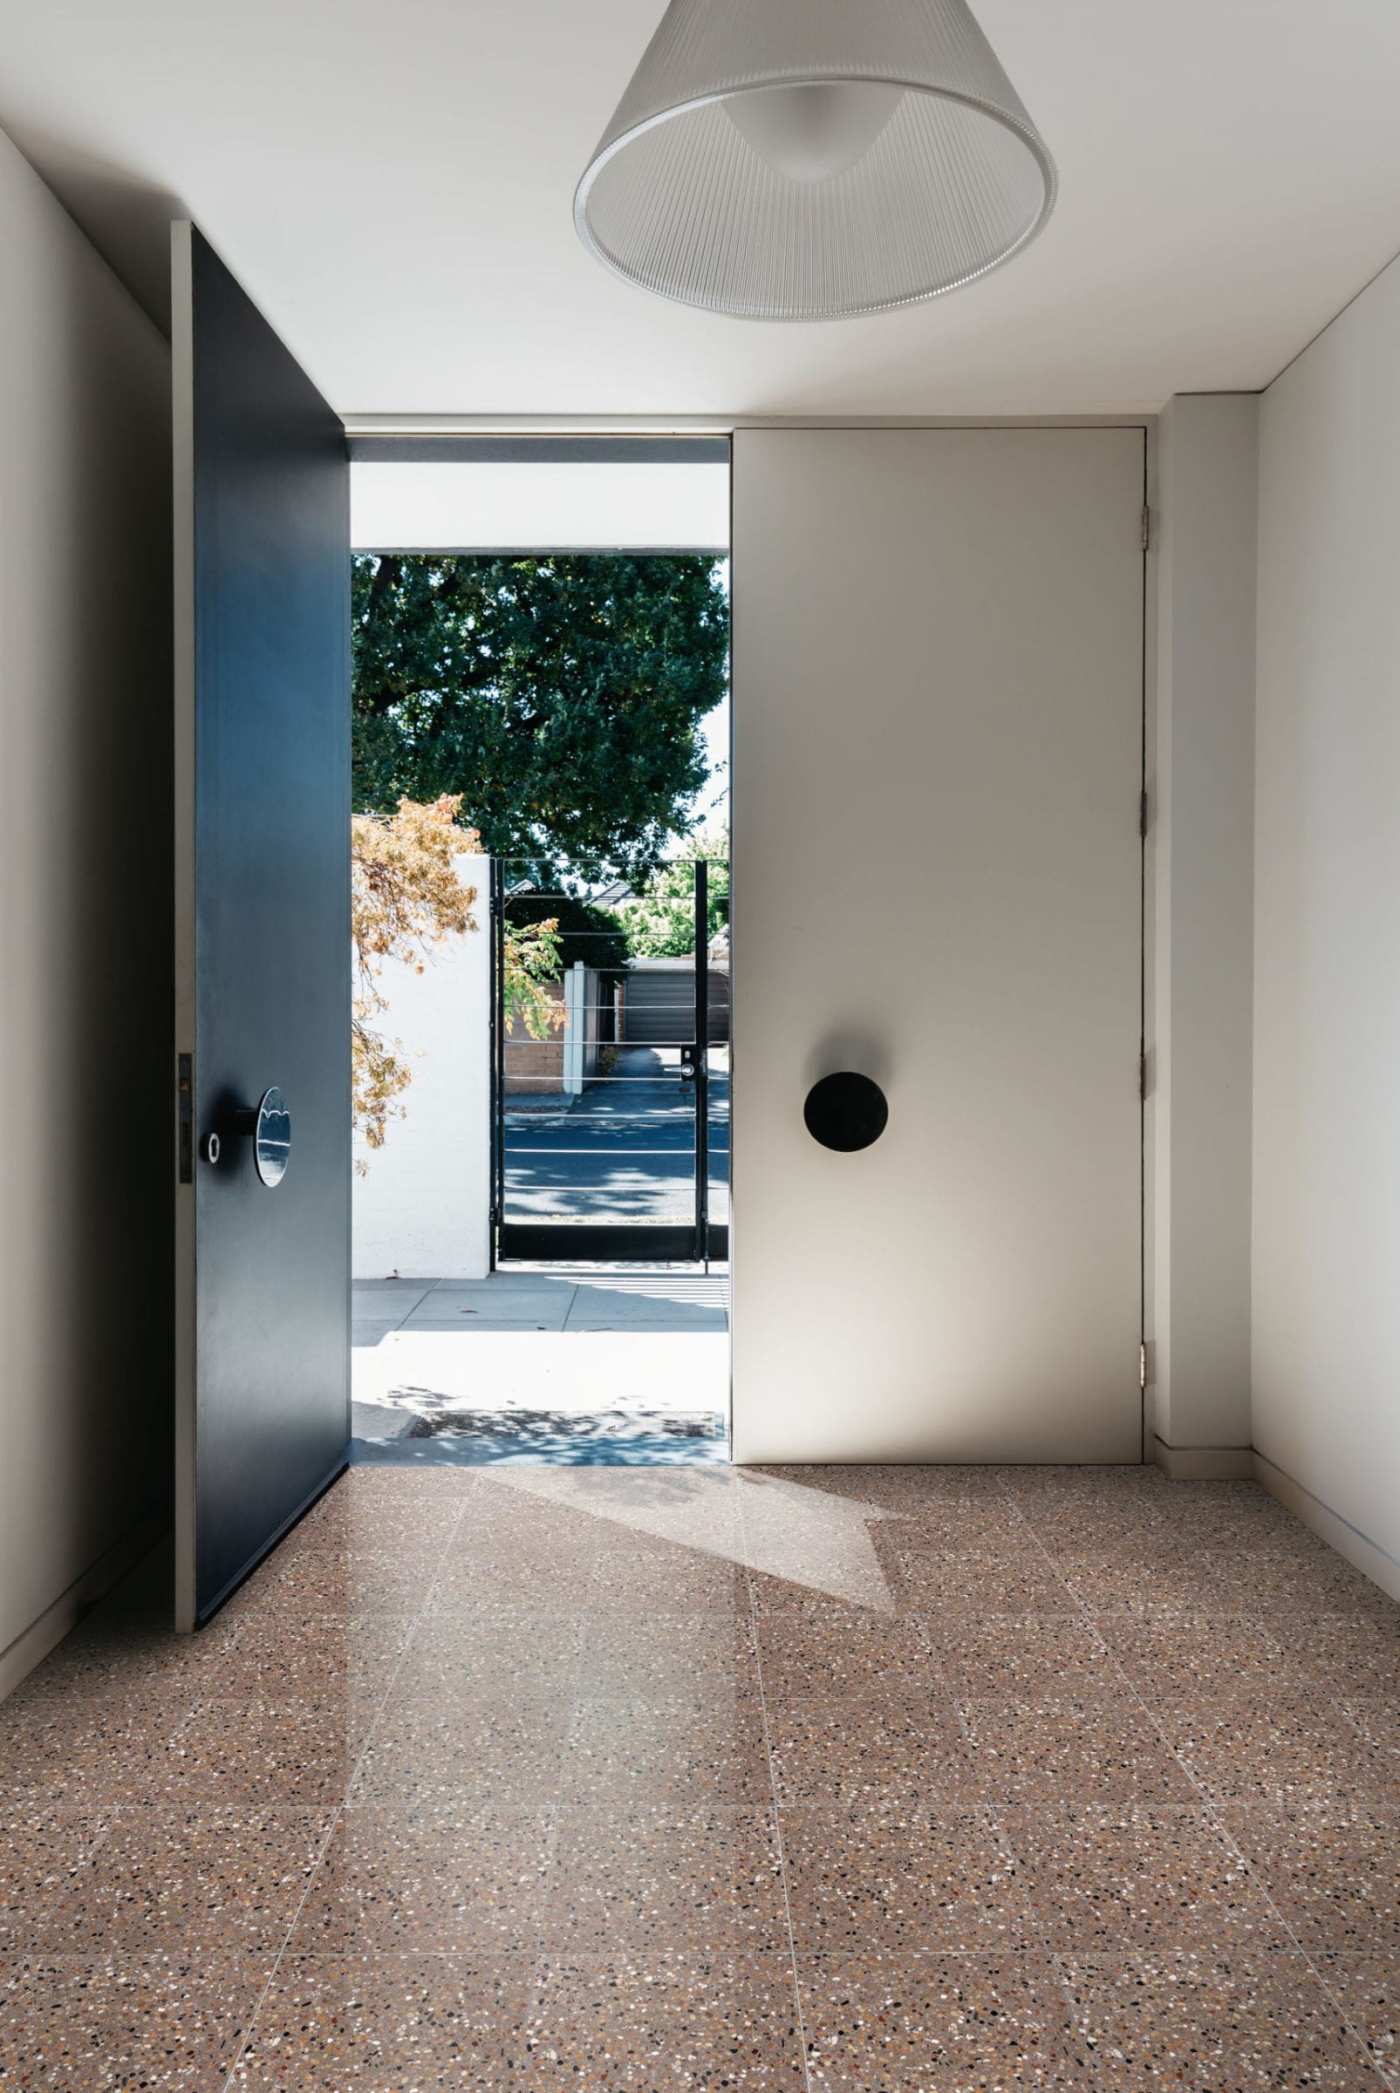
x: 538, y: 1299
x: 615, y: 1367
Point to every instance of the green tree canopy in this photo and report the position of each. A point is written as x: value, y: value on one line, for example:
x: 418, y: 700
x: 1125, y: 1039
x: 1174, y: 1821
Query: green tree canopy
x: 660, y: 920
x: 585, y: 933
x: 560, y: 694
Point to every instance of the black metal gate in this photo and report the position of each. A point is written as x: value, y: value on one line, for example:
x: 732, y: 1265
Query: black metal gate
x: 610, y: 1089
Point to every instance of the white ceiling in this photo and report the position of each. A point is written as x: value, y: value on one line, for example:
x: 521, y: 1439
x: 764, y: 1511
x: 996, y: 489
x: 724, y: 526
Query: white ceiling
x: 393, y: 184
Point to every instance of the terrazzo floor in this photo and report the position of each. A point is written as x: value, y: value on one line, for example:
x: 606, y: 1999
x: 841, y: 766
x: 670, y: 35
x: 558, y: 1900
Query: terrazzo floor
x: 862, y: 1781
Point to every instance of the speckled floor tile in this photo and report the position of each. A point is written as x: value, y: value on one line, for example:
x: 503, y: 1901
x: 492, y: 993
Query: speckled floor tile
x: 408, y: 1487
x: 509, y: 1581
x: 703, y: 1881
x: 936, y: 2024
x: 1006, y: 1582
x: 637, y: 1499
x: 1047, y: 1483
x: 1367, y: 1991
x: 346, y: 1512
x: 1377, y: 1716
x: 487, y: 1652
x: 1175, y: 1517
x: 638, y: 1575
x: 1237, y: 2024
x: 265, y: 1752
x: 448, y: 1881
x: 660, y: 1659
x: 1302, y: 1580
x: 781, y: 1577
x: 386, y: 2023
x: 51, y: 1754
x: 1192, y: 1657
x: 826, y: 1651
x: 1283, y: 1749
x: 1332, y: 1870
x: 540, y: 1535
x: 501, y: 1751
x: 43, y: 1853
x: 346, y: 1581
x: 690, y: 1752
x: 296, y: 1654
x: 104, y: 1665
x: 1352, y: 1653
x: 1147, y: 1587
x: 946, y: 1525
x: 667, y: 2024
x: 1139, y: 1877
x: 641, y: 1574
x: 986, y: 1655
x: 900, y: 1882
x: 888, y: 1487
x: 71, y: 2024
x: 1069, y: 1750
x: 903, y: 1750
x: 167, y: 1880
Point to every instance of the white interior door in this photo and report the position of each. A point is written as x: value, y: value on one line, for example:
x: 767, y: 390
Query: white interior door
x: 938, y: 644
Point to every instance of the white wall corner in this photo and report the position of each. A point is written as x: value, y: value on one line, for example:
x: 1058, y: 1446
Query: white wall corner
x: 1200, y: 928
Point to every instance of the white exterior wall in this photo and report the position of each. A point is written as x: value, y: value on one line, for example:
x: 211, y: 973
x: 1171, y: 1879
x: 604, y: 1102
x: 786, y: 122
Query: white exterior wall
x: 422, y: 1206
x: 86, y: 1153
x: 1200, y: 843
x: 1326, y: 1250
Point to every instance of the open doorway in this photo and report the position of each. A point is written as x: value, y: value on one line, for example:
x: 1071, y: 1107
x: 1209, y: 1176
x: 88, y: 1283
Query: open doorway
x: 541, y: 782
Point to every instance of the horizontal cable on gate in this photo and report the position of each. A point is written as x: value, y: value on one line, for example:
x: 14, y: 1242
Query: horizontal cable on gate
x: 619, y: 1155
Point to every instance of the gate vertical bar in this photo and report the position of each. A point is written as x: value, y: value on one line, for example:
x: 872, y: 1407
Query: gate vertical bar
x: 498, y: 1055
x: 702, y: 1060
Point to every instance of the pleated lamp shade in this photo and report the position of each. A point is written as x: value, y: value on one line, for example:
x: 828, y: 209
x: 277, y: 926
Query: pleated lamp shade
x: 812, y: 159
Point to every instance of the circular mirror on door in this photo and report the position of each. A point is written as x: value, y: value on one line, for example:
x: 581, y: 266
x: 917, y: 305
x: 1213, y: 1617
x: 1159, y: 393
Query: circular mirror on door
x: 272, y: 1137
x: 846, y: 1112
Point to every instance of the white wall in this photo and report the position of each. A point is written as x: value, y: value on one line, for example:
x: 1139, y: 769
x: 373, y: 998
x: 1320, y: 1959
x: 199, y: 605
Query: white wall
x: 422, y: 1206
x: 1200, y: 839
x: 1326, y: 1262
x: 85, y: 1227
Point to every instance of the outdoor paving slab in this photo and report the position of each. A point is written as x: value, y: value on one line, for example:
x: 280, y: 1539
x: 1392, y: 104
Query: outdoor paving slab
x: 444, y: 1312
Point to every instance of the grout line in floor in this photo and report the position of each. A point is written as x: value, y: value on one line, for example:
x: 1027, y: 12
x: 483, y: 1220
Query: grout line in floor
x: 775, y: 1804
x: 1214, y: 1817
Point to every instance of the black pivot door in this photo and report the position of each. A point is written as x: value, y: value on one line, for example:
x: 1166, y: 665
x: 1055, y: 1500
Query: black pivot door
x: 262, y: 572
x: 612, y: 1105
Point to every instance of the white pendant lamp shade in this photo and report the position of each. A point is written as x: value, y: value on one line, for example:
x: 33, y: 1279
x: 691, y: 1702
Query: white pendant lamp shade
x: 809, y: 159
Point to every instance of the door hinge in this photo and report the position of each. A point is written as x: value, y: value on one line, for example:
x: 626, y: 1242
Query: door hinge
x: 1146, y: 527
x: 1144, y: 1364
x: 1142, y: 1075
x: 1142, y: 816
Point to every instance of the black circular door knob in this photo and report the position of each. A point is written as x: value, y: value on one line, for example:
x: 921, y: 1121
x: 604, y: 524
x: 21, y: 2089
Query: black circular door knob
x: 846, y: 1111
